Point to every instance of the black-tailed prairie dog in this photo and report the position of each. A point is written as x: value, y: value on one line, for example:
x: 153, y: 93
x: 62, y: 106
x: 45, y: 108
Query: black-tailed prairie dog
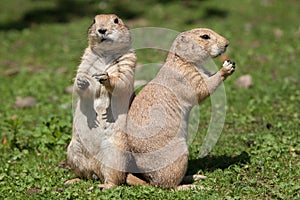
x: 158, y: 116
x: 104, y: 85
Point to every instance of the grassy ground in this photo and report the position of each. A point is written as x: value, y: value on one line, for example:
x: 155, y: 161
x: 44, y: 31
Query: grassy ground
x: 258, y: 154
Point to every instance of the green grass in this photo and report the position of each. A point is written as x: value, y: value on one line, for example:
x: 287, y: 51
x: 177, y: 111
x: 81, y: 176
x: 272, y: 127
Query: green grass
x: 258, y: 154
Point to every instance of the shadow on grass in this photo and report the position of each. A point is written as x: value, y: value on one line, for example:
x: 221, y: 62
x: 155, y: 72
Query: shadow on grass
x: 65, y: 11
x: 211, y: 163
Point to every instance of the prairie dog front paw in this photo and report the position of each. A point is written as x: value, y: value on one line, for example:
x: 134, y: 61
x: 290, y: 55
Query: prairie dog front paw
x: 103, y: 78
x: 82, y: 83
x: 228, y: 68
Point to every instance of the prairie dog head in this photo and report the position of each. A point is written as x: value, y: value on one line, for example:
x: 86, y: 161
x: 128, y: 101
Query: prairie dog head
x: 108, y: 32
x: 198, y: 45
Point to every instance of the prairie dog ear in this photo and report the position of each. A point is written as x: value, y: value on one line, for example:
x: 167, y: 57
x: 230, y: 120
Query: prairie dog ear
x: 179, y: 45
x: 183, y: 38
x: 184, y: 46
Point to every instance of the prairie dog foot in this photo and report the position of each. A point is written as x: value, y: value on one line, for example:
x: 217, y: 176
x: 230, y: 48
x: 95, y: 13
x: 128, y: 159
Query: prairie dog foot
x: 71, y: 181
x: 189, y: 187
x: 82, y: 83
x: 228, y: 68
x: 102, y: 187
x: 106, y: 186
x: 101, y: 77
x: 192, y: 178
x: 133, y: 180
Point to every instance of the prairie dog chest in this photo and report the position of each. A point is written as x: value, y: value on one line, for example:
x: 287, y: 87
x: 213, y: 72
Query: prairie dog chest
x: 92, y: 64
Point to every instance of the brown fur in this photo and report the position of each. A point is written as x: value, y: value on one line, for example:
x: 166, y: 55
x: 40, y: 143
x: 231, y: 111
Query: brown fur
x: 158, y: 117
x: 104, y: 84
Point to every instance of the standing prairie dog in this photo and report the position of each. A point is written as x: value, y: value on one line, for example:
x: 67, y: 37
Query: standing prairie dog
x: 104, y: 84
x: 158, y: 117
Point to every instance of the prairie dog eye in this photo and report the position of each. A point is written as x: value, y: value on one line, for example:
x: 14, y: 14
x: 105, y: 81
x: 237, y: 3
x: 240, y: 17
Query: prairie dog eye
x: 94, y: 21
x: 116, y: 20
x: 205, y: 37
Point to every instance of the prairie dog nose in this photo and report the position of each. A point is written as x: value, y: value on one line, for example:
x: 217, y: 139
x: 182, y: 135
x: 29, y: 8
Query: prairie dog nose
x: 227, y: 44
x: 102, y: 30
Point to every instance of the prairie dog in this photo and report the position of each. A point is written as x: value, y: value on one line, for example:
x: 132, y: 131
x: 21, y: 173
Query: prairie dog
x: 104, y: 85
x: 158, y: 116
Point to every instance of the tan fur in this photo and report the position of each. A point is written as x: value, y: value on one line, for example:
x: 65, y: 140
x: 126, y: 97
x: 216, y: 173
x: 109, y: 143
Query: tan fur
x: 104, y: 84
x: 158, y: 117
